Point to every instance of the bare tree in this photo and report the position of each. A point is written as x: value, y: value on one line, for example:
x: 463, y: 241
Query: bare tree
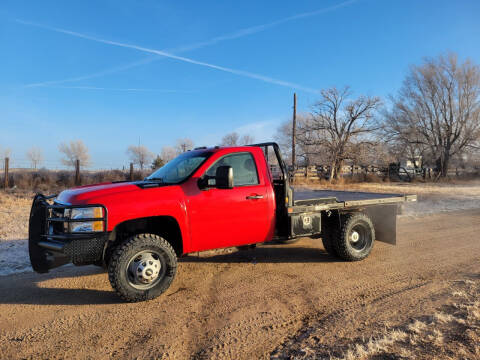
x: 283, y: 137
x: 234, y: 139
x: 75, y: 150
x: 306, y: 151
x: 337, y: 123
x: 35, y: 155
x: 4, y: 153
x: 168, y: 153
x: 230, y: 139
x: 246, y: 139
x: 183, y: 145
x: 139, y: 155
x: 438, y: 109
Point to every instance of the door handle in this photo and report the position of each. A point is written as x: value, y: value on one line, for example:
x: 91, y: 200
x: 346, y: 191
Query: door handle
x: 254, y: 197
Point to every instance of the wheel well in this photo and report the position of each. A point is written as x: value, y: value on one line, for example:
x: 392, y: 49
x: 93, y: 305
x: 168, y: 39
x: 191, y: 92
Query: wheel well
x: 164, y: 226
x: 333, y: 219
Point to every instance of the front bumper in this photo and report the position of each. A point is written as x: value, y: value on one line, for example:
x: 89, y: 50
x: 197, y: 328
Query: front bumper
x: 50, y: 247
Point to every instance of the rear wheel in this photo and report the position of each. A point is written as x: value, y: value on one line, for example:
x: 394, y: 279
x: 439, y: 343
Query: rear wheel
x: 142, y: 267
x: 356, y: 236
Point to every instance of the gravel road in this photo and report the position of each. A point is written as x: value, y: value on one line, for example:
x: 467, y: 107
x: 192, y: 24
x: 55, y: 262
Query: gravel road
x: 259, y: 303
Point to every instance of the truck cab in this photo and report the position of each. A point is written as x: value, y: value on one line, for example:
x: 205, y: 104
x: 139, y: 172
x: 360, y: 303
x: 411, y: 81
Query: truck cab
x: 204, y: 199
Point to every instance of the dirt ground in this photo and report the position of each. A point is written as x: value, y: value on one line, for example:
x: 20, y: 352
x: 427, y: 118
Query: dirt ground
x: 418, y: 299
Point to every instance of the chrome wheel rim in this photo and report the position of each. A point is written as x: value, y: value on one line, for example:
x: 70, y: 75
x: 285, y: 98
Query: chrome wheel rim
x: 145, y: 269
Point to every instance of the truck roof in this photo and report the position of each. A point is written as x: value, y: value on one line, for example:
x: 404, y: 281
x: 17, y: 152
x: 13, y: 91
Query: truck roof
x: 218, y: 148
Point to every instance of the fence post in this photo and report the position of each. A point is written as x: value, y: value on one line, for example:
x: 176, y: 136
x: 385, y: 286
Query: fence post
x: 7, y: 160
x: 131, y: 171
x: 77, y: 172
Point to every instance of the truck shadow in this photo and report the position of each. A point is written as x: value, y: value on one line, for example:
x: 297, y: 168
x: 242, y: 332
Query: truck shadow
x: 30, y: 289
x: 266, y: 254
x: 36, y: 289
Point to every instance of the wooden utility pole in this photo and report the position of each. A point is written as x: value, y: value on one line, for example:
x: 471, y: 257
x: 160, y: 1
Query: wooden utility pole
x: 77, y: 172
x: 7, y: 160
x: 294, y: 129
x: 131, y: 171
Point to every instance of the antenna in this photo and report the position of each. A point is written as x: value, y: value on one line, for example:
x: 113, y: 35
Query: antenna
x: 294, y: 128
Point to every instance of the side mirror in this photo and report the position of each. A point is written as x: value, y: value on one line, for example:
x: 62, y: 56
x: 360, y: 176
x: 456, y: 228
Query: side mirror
x: 224, y: 177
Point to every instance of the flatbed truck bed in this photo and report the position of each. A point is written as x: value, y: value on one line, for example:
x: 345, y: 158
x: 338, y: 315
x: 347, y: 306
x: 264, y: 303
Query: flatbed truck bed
x: 336, y: 199
x: 323, y: 207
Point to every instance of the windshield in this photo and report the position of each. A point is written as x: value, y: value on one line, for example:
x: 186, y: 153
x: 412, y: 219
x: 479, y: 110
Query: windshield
x: 180, y: 168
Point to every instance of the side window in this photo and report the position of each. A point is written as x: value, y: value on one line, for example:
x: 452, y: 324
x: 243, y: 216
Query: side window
x: 244, y: 168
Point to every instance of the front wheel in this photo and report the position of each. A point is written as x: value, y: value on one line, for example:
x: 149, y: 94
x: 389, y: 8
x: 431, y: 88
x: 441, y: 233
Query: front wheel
x: 142, y: 267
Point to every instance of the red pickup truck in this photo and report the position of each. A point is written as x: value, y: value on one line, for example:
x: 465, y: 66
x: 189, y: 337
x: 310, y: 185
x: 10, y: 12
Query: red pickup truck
x: 204, y: 199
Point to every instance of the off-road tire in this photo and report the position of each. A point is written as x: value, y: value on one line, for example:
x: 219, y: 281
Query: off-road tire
x: 122, y: 254
x: 342, y: 244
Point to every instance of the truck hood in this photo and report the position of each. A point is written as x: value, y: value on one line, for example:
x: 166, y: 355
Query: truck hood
x: 92, y: 193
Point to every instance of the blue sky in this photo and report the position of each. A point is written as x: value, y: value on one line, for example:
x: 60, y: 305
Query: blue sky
x: 112, y: 72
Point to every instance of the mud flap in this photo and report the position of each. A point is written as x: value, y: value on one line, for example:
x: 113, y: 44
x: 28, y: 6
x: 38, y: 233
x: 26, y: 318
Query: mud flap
x: 384, y: 218
x: 41, y: 259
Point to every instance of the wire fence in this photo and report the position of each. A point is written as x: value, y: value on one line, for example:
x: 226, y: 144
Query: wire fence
x: 392, y: 172
x: 57, y: 165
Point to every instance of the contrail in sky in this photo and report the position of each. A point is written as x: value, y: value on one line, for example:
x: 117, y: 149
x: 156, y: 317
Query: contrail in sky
x: 163, y: 53
x: 96, y: 74
x: 256, y: 29
x: 176, y: 57
x: 120, y: 89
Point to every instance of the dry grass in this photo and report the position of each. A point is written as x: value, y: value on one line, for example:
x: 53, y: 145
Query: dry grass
x: 14, y: 212
x: 450, y: 333
x: 49, y: 181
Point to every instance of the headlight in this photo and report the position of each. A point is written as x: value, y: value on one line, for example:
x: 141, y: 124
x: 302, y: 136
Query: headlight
x: 86, y: 213
x: 86, y: 226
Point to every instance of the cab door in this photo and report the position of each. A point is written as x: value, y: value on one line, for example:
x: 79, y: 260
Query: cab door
x: 231, y: 217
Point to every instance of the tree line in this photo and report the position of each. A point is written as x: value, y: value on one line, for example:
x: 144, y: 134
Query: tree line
x: 142, y: 157
x: 139, y: 155
x: 435, y: 116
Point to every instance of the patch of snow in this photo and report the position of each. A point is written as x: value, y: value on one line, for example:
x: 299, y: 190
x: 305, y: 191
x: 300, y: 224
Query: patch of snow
x: 14, y: 257
x: 428, y: 205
